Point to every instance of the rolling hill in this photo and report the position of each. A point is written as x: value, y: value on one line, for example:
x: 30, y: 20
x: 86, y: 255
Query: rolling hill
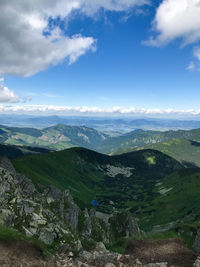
x: 140, y: 138
x: 185, y: 151
x: 61, y: 136
x: 57, y: 137
x: 114, y: 181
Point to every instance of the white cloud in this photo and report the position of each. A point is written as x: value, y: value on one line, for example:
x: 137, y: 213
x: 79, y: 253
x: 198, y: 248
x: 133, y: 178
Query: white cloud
x: 67, y: 110
x: 7, y: 95
x: 26, y: 99
x: 191, y: 66
x: 24, y: 50
x: 197, y: 52
x: 176, y: 19
x: 195, y: 65
x: 90, y: 7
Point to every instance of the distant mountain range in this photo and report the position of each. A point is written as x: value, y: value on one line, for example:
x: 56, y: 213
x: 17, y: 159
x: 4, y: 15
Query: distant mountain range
x: 62, y: 136
x: 110, y: 125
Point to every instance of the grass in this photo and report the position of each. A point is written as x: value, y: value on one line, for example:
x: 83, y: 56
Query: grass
x: 151, y: 160
x: 10, y: 234
x: 80, y: 170
x: 185, y: 151
x: 159, y: 236
x: 63, y: 170
x: 180, y: 204
x: 120, y: 245
x: 181, y: 231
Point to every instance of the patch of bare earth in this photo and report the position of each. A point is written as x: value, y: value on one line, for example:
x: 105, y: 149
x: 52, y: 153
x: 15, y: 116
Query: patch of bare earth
x: 20, y: 253
x: 172, y: 251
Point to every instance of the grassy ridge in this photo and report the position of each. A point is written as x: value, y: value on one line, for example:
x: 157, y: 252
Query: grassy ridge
x: 185, y: 151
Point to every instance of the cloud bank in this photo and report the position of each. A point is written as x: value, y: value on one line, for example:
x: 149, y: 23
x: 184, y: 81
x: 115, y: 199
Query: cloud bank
x: 29, y: 45
x: 67, y: 110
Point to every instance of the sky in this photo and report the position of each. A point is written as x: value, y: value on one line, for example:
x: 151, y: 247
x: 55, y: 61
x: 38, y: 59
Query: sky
x: 93, y: 57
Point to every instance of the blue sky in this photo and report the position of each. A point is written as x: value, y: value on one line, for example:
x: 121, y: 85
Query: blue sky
x: 128, y: 58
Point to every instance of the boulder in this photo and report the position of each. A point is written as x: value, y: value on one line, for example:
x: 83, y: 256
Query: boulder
x: 123, y: 225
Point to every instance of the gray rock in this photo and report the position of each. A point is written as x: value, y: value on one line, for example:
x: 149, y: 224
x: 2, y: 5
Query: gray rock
x: 197, y: 243
x: 124, y: 225
x: 47, y: 236
x: 7, y: 165
x: 162, y: 264
x: 101, y: 247
x: 110, y: 265
x: 53, y: 192
x: 197, y: 262
x: 6, y: 217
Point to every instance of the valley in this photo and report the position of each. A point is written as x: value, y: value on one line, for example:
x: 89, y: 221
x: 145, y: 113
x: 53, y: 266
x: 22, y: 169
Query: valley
x: 122, y: 182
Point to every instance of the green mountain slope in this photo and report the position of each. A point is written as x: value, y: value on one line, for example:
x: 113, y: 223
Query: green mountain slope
x: 178, y: 199
x: 13, y: 152
x: 61, y: 136
x: 114, y: 181
x: 139, y: 138
x: 56, y: 137
x: 185, y: 151
x: 154, y: 187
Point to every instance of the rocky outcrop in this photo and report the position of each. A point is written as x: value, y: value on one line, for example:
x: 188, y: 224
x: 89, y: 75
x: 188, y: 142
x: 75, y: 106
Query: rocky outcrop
x: 52, y: 216
x: 100, y: 258
x: 197, y: 262
x: 197, y: 243
x: 22, y: 207
x: 123, y: 225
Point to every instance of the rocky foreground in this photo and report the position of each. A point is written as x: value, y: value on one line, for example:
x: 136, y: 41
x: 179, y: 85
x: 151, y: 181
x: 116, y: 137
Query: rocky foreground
x: 77, y: 237
x: 21, y: 254
x: 53, y: 217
